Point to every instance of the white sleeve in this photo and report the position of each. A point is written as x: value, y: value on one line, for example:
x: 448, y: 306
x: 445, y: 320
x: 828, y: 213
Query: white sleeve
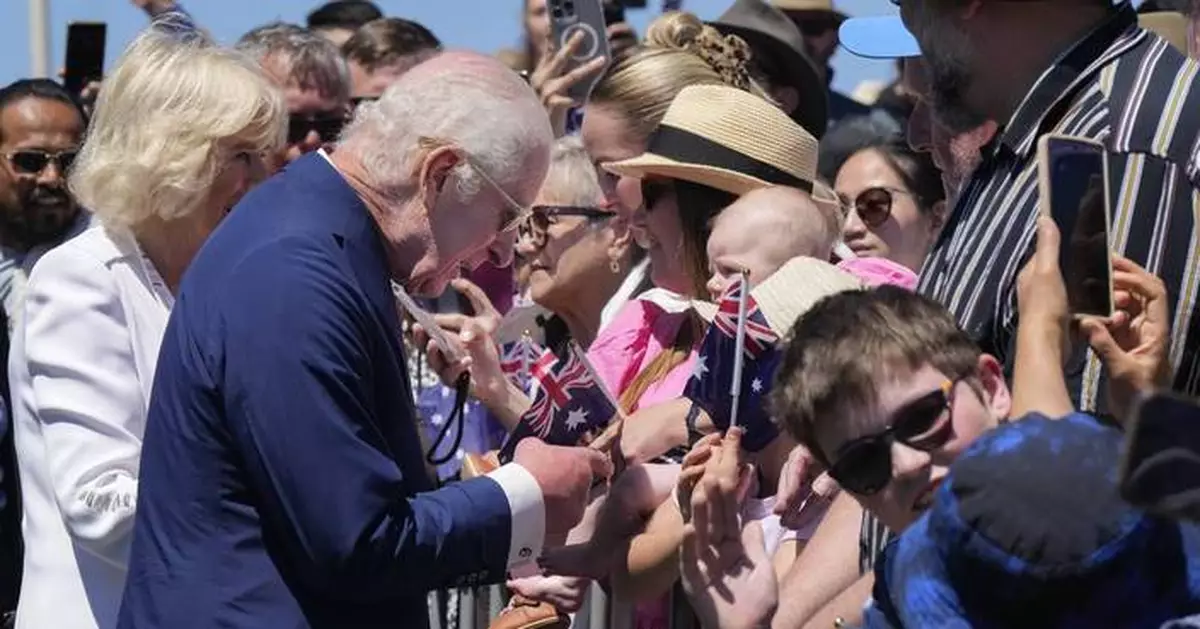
x: 87, y: 398
x: 528, y: 518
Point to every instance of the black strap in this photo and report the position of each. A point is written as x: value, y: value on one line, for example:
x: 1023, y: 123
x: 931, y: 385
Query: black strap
x: 690, y: 148
x: 462, y: 389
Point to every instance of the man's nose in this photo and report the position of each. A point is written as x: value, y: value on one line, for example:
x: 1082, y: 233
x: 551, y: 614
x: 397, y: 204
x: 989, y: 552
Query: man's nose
x: 920, y: 128
x: 52, y: 175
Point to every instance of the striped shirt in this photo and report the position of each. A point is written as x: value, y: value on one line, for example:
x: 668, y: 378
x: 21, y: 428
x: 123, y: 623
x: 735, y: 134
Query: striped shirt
x: 1129, y: 89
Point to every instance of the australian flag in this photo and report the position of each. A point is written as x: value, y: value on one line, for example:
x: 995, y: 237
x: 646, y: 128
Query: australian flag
x: 518, y: 358
x: 570, y: 402
x: 712, y: 377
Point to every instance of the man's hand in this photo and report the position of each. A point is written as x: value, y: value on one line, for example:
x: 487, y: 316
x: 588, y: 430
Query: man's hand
x: 801, y: 499
x: 551, y: 84
x: 564, y: 593
x: 565, y: 476
x: 726, y: 572
x: 1135, y: 344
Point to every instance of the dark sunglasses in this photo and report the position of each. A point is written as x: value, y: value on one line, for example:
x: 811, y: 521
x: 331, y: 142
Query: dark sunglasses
x: 327, y: 127
x: 653, y: 191
x: 33, y: 162
x: 874, y: 205
x: 543, y: 216
x: 864, y: 466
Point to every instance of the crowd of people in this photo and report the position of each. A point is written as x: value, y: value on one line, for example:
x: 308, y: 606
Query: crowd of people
x: 325, y: 327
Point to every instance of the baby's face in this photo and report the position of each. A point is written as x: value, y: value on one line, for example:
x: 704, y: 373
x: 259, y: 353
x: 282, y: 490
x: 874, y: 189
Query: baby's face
x: 732, y: 248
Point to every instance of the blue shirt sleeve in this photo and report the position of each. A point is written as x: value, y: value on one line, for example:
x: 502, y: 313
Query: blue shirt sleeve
x: 302, y: 353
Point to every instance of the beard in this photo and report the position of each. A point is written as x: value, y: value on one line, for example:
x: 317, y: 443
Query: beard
x: 40, y: 217
x: 949, y: 58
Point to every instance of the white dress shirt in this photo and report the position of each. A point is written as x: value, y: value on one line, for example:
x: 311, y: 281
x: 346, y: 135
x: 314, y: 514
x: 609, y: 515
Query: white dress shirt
x: 81, y: 369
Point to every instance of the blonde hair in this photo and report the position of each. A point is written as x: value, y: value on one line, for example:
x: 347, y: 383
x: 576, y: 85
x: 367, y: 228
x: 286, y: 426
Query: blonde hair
x: 572, y: 179
x: 679, y: 51
x: 163, y: 120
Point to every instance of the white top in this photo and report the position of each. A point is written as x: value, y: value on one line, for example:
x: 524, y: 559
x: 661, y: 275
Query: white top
x: 81, y: 368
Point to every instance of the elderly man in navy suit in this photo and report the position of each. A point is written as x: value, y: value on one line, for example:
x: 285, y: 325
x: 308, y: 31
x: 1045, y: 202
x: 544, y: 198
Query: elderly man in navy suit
x: 283, y: 479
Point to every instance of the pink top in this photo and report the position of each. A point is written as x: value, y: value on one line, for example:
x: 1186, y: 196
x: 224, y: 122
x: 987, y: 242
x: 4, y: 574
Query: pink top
x: 638, y: 334
x: 879, y: 272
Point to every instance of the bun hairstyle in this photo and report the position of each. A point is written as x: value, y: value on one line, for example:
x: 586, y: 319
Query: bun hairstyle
x: 679, y: 50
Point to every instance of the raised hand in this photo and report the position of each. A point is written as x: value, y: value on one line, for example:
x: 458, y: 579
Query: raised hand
x: 552, y: 84
x: 804, y: 494
x: 1135, y: 344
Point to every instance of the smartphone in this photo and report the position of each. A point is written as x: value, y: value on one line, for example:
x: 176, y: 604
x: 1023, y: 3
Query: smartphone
x: 85, y: 55
x: 1074, y: 189
x: 1160, y: 468
x: 568, y: 17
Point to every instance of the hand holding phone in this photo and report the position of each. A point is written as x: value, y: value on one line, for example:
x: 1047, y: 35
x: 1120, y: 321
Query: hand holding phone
x: 585, y: 22
x: 1074, y: 191
x: 85, y: 55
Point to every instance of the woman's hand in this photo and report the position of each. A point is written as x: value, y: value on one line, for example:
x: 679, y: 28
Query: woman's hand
x: 471, y: 336
x: 1042, y: 295
x: 1135, y: 344
x: 564, y: 593
x: 551, y: 84
x: 804, y: 491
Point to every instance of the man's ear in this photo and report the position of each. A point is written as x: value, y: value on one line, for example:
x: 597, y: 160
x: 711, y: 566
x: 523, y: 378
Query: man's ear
x: 938, y: 215
x: 434, y: 172
x: 997, y: 397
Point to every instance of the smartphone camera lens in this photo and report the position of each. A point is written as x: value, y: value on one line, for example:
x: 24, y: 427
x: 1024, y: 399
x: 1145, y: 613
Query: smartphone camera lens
x: 569, y: 7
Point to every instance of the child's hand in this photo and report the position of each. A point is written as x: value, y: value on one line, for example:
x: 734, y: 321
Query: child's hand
x: 694, y: 464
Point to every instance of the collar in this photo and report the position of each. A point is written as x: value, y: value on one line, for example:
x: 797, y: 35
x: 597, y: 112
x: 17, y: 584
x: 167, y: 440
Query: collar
x: 1042, y: 105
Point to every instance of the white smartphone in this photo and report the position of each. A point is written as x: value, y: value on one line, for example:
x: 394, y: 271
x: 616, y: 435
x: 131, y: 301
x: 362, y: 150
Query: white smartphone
x: 568, y: 17
x: 1074, y: 192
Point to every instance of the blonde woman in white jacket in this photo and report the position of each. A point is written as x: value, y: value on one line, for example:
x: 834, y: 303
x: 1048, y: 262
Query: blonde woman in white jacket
x: 177, y: 137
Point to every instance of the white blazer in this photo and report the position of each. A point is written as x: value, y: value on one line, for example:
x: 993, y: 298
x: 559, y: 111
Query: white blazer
x: 80, y: 368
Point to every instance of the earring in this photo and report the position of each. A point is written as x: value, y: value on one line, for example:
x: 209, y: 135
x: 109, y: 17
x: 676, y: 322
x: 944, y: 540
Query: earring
x: 614, y: 266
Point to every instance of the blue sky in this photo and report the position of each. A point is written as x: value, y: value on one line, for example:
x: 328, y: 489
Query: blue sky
x: 484, y: 25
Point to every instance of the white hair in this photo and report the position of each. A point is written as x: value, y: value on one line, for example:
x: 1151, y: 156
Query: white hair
x: 305, y: 57
x: 572, y: 178
x: 163, y: 126
x: 463, y: 99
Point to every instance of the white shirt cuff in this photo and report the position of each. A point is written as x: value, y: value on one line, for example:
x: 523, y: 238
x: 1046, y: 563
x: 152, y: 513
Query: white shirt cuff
x: 528, y: 518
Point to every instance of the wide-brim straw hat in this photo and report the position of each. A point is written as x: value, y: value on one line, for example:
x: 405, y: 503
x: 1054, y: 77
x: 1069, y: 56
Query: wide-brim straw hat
x: 729, y: 139
x: 815, y: 6
x: 792, y: 291
x: 1169, y: 25
x: 774, y: 38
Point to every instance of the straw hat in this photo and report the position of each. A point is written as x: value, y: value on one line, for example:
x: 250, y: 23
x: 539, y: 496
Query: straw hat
x: 1169, y: 25
x: 792, y: 290
x: 728, y: 139
x: 778, y: 44
x: 821, y: 6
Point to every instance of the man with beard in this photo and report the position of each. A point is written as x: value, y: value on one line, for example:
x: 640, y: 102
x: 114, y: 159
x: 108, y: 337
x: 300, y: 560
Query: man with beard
x: 41, y: 128
x: 1073, y: 67
x: 40, y: 131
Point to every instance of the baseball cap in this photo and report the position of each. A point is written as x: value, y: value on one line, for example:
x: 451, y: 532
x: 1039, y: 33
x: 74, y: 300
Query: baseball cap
x: 878, y: 37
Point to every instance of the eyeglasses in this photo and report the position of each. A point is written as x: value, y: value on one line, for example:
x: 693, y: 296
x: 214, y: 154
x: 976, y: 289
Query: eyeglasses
x: 864, y: 466
x: 653, y: 191
x: 543, y: 216
x: 514, y: 214
x: 33, y: 162
x: 327, y: 127
x: 874, y: 205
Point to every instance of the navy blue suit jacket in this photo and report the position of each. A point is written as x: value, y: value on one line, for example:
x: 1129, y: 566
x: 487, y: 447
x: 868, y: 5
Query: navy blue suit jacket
x: 282, y: 480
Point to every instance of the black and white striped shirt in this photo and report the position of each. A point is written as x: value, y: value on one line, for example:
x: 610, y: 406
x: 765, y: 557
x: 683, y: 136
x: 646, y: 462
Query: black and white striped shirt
x: 1131, y: 90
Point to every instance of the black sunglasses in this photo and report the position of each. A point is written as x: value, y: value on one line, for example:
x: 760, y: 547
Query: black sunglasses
x: 864, y: 466
x: 33, y: 162
x: 653, y: 191
x: 327, y: 127
x: 874, y: 204
x: 543, y: 216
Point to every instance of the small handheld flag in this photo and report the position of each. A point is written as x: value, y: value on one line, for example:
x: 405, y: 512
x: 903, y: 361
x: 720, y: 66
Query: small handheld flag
x: 739, y: 357
x: 517, y: 359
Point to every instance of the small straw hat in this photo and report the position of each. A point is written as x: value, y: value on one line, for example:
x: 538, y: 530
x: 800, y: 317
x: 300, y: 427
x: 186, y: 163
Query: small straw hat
x: 792, y: 291
x: 728, y: 139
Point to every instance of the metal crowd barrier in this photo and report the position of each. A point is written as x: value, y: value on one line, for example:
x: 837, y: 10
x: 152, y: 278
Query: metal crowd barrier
x: 476, y: 608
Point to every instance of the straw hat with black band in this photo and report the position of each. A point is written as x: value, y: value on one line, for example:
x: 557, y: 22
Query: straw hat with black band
x: 730, y: 140
x: 778, y: 46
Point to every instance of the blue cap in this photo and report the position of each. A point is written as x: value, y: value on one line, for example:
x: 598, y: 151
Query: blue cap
x: 878, y: 37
